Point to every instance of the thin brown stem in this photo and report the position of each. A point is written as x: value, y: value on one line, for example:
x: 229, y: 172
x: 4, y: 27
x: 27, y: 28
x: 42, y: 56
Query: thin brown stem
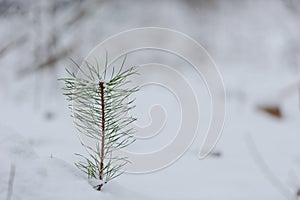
x: 11, y: 181
x: 101, y: 85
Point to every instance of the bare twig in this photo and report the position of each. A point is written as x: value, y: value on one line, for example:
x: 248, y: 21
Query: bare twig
x: 11, y: 181
x: 13, y: 44
x: 50, y: 62
x: 266, y: 170
x: 77, y: 17
x: 85, y: 10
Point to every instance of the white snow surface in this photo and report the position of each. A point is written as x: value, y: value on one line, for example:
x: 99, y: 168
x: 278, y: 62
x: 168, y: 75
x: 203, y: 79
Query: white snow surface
x: 255, y: 44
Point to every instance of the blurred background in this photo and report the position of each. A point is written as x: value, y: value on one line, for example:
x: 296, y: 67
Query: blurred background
x: 254, y: 43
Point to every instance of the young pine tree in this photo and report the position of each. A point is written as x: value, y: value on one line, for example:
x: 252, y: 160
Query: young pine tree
x: 100, y: 103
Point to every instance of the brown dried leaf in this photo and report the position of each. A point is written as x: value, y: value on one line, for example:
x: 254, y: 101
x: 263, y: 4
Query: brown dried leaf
x: 272, y: 110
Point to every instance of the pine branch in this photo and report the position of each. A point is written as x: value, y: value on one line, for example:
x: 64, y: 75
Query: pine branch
x: 100, y: 109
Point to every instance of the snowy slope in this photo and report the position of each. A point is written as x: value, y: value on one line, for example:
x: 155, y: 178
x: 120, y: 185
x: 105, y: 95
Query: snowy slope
x: 256, y: 48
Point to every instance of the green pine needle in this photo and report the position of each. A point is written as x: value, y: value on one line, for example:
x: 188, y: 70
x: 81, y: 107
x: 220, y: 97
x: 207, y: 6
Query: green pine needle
x: 90, y: 104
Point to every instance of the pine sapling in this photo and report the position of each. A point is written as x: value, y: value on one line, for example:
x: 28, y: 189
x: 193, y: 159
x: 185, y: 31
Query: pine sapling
x: 100, y: 106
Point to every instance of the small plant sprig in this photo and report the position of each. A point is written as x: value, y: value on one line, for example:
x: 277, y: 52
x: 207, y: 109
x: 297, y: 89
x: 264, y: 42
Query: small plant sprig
x: 100, y: 108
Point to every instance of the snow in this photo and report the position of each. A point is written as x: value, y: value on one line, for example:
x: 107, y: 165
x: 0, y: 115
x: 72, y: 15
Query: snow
x: 255, y: 45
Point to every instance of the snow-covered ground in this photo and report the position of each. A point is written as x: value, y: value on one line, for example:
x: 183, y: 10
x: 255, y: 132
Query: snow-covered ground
x: 256, y: 46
